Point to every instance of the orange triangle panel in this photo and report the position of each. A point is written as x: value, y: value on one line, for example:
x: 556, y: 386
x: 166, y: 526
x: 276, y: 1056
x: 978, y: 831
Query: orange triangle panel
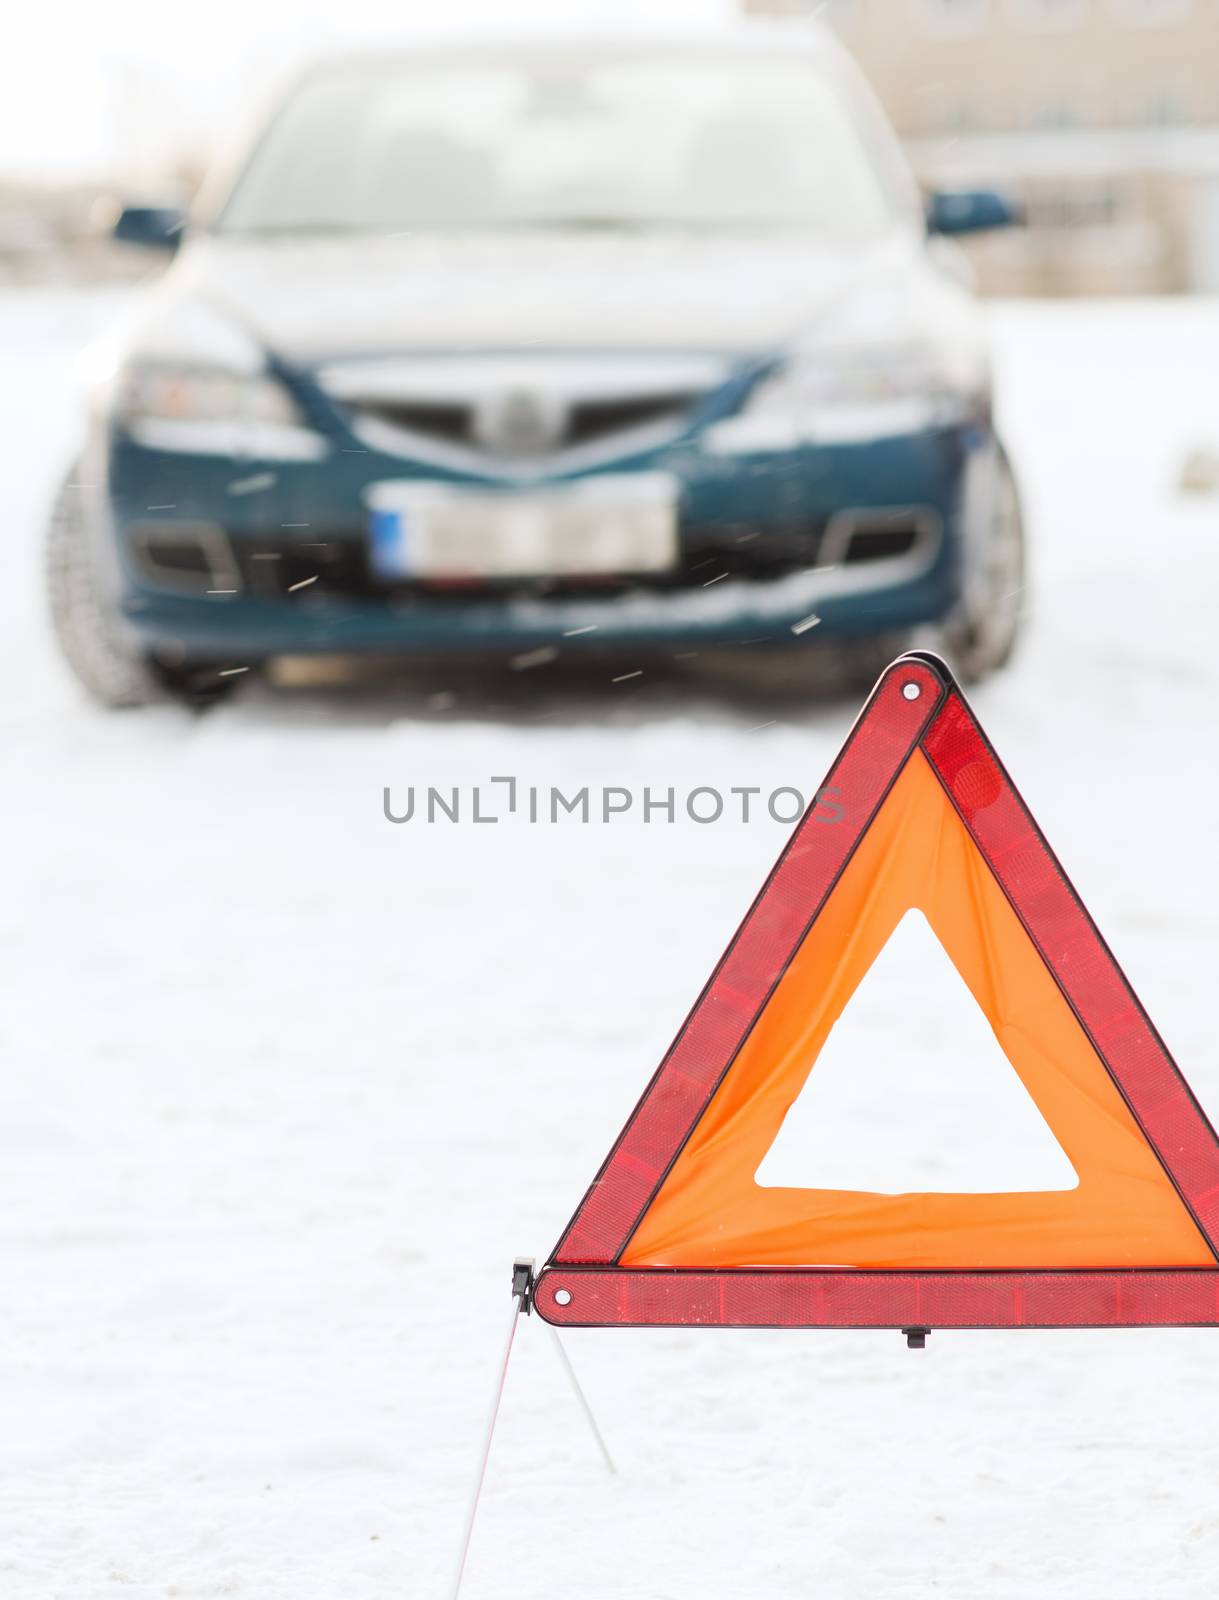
x: 676, y: 1230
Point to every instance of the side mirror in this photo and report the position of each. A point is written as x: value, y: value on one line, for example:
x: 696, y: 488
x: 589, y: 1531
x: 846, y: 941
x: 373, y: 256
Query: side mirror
x: 959, y: 211
x: 150, y: 227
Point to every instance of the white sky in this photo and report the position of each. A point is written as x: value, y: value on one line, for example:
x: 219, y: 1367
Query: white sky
x: 87, y: 88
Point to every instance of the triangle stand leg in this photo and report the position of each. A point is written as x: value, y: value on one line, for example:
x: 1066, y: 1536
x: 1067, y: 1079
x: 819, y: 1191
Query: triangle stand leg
x: 522, y: 1284
x: 582, y: 1399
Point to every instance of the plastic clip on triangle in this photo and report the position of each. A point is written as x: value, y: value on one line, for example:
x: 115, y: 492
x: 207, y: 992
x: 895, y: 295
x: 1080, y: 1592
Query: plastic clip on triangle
x: 676, y: 1231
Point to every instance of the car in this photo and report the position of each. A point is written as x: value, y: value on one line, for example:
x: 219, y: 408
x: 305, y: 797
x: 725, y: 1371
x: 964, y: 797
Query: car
x: 638, y: 345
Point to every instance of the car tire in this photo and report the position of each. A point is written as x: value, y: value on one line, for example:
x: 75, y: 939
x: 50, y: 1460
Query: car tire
x: 983, y: 635
x: 109, y: 667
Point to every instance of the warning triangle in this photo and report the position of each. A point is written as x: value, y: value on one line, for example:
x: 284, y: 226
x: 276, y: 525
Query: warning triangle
x: 912, y: 1091
x: 678, y: 1229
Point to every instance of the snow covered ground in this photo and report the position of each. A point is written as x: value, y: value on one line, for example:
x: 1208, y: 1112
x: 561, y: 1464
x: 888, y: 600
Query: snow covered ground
x: 285, y: 1088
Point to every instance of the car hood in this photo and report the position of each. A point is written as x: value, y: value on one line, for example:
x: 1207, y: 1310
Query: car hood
x: 317, y: 300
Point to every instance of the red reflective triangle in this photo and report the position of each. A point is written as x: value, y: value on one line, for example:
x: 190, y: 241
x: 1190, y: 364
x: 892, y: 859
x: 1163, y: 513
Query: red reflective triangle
x: 916, y: 717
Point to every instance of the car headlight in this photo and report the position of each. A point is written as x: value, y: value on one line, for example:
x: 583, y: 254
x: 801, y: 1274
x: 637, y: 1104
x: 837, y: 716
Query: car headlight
x: 860, y: 376
x: 200, y: 410
x: 843, y: 394
x: 185, y: 394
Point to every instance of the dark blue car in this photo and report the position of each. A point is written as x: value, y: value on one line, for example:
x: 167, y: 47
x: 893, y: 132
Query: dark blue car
x: 633, y: 346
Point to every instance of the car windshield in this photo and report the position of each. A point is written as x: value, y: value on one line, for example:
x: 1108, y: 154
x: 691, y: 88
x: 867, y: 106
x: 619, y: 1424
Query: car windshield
x: 614, y: 144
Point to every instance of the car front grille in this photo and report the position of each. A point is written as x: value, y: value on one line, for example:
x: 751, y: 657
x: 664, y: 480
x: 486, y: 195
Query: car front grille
x: 581, y: 423
x: 519, y: 408
x: 593, y: 419
x: 435, y: 420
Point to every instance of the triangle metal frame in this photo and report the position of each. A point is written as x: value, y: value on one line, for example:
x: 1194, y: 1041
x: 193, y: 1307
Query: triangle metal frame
x: 916, y: 705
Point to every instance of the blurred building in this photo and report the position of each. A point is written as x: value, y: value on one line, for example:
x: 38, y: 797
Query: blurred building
x: 1101, y: 115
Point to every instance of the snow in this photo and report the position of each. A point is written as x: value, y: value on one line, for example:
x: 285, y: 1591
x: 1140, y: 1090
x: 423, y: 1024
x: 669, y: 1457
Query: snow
x: 286, y: 1087
x: 947, y: 1110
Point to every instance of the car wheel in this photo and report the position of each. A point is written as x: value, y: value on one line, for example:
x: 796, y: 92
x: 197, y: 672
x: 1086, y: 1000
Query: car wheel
x: 94, y: 644
x: 984, y: 633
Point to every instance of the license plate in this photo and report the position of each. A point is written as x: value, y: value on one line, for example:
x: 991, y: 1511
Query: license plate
x: 594, y: 528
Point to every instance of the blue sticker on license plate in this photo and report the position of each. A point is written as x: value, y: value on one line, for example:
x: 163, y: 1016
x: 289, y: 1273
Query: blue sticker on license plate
x: 389, y: 546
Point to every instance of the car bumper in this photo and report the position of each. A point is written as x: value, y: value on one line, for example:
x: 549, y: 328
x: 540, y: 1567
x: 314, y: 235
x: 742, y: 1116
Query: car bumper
x: 254, y: 517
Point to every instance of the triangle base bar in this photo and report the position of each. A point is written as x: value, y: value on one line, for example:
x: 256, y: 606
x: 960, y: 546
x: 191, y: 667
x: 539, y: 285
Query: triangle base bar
x: 816, y: 1297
